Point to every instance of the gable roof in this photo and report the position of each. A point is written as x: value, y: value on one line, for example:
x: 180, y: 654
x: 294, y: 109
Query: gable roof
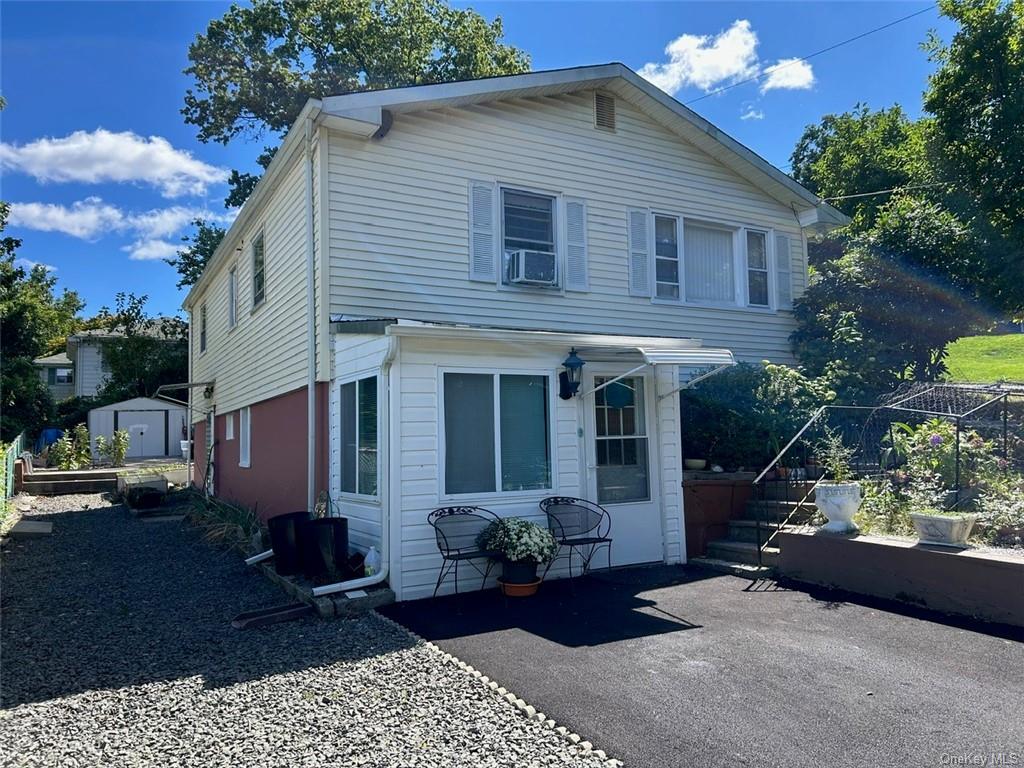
x: 59, y: 359
x: 369, y: 113
x: 368, y: 107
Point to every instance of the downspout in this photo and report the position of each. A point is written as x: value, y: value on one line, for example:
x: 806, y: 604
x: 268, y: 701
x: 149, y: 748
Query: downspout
x: 188, y: 419
x: 311, y: 324
x: 385, y: 489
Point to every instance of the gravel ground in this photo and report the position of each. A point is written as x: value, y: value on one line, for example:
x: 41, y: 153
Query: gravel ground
x: 117, y: 650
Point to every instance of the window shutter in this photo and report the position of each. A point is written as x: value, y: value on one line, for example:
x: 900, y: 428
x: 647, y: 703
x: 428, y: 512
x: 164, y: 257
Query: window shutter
x: 51, y: 375
x: 482, y: 232
x: 576, y: 278
x: 639, y: 253
x: 783, y: 275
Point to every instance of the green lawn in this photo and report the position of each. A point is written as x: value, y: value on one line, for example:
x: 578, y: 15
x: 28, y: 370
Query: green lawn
x: 987, y: 358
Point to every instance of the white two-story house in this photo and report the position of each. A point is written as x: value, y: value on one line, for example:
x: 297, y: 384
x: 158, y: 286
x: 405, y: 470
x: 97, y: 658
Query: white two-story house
x: 389, y: 316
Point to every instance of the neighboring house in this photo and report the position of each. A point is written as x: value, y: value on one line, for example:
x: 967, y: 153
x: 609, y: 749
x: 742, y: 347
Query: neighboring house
x: 85, y: 349
x: 387, y: 317
x: 57, y: 372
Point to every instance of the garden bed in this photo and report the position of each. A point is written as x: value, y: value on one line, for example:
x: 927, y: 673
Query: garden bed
x: 979, y: 583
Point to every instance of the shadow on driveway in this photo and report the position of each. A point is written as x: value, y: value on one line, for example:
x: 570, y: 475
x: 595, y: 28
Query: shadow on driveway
x: 670, y: 666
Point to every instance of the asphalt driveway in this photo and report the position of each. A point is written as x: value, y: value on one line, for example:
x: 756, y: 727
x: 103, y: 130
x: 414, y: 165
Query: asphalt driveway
x: 673, y: 666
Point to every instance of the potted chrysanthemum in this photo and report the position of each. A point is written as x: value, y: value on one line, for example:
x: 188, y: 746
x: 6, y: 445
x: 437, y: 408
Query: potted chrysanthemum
x: 523, y: 546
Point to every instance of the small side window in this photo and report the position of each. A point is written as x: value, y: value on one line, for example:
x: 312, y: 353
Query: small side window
x: 244, y: 436
x: 202, y: 328
x: 229, y: 427
x: 259, y: 273
x: 232, y: 297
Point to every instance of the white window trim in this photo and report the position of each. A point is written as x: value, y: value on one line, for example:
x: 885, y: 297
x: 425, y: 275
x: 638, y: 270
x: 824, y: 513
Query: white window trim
x: 229, y: 426
x: 339, y: 383
x: 245, y: 437
x: 535, y: 493
x: 559, y: 232
x: 741, y: 287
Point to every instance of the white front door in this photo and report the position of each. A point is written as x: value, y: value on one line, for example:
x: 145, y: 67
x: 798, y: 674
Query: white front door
x: 622, y: 454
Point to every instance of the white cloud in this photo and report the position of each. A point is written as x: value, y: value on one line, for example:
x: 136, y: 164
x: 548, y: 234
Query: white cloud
x: 789, y: 74
x: 706, y: 61
x: 150, y: 250
x: 103, y: 156
x: 752, y: 114
x: 162, y: 222
x: 84, y: 219
x: 28, y: 264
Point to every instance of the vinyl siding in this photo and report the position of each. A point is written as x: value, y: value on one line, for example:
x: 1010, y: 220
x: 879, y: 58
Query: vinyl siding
x: 264, y: 355
x: 398, y: 218
x: 89, y: 374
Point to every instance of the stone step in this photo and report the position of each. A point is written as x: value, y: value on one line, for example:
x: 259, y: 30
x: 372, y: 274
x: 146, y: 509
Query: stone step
x: 736, y: 569
x: 780, y: 510
x: 741, y: 552
x: 37, y: 487
x: 746, y: 530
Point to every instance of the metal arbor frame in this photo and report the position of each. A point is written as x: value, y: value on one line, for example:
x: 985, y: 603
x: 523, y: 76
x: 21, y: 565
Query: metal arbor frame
x: 984, y: 409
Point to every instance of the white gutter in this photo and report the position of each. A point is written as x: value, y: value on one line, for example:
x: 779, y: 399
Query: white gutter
x: 311, y: 324
x: 385, y: 489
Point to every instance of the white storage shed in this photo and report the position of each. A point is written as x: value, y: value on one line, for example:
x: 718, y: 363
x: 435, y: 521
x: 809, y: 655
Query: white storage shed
x: 155, y: 426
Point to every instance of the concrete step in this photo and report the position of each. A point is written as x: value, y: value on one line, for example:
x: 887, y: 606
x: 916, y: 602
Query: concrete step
x: 780, y: 510
x: 37, y: 487
x: 741, y: 552
x: 790, y: 489
x: 736, y: 569
x: 746, y: 530
x: 73, y: 474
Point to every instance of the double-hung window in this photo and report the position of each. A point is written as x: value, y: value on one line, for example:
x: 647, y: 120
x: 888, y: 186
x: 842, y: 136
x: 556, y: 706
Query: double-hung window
x: 60, y: 376
x: 757, y: 268
x: 232, y: 297
x: 202, y: 328
x: 497, y: 433
x: 709, y: 273
x: 666, y: 257
x: 359, y: 437
x: 528, y: 224
x: 259, y: 270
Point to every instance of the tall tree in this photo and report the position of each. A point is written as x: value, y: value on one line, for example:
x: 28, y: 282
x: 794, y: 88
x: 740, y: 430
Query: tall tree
x: 201, y: 245
x: 256, y: 66
x: 34, y: 320
x: 976, y: 98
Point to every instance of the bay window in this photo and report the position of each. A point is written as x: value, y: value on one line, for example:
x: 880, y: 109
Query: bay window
x: 497, y: 433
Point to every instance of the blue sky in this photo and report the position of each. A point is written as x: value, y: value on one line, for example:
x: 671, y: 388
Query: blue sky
x: 89, y: 81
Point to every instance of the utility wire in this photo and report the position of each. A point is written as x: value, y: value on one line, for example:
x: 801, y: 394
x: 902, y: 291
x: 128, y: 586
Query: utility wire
x: 887, y: 191
x: 757, y: 77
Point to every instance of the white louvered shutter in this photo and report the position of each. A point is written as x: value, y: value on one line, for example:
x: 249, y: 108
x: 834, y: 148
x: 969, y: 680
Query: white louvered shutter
x: 783, y: 272
x: 576, y: 278
x: 483, y: 238
x: 639, y: 253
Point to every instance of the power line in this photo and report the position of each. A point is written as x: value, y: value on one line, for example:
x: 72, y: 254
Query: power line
x: 862, y: 35
x: 887, y: 191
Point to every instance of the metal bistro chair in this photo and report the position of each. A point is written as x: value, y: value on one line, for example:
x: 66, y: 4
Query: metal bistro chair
x: 457, y: 530
x: 581, y: 526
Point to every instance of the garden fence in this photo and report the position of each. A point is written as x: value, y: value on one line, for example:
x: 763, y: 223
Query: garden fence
x: 11, y: 454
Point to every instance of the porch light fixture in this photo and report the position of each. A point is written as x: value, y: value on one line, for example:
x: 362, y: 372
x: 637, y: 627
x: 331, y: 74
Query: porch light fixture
x: 569, y: 379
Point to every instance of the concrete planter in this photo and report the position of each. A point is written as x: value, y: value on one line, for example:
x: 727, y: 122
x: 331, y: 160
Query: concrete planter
x: 943, y: 530
x: 838, y: 502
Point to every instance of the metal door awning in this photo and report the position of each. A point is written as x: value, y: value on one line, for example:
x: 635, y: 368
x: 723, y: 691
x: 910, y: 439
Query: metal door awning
x: 715, y: 360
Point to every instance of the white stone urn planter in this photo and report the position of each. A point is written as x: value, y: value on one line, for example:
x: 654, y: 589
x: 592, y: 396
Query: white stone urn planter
x: 943, y: 530
x: 838, y: 502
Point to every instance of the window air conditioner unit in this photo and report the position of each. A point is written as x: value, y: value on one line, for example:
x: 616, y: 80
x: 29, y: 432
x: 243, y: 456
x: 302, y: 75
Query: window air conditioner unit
x: 532, y: 268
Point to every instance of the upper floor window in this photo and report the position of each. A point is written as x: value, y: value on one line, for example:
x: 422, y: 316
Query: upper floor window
x: 259, y: 270
x: 60, y: 375
x: 232, y: 297
x: 666, y: 257
x: 202, y: 328
x: 757, y: 269
x: 709, y: 272
x: 528, y: 239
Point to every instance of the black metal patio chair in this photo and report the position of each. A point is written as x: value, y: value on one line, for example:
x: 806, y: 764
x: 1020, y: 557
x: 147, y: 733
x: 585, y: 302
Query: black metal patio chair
x: 457, y: 530
x: 580, y: 525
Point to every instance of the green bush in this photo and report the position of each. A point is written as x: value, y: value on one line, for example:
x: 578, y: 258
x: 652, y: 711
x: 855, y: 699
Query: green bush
x: 72, y: 450
x: 116, y: 449
x: 742, y: 417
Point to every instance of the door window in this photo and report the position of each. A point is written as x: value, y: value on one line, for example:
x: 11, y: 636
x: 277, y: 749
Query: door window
x: 621, y: 441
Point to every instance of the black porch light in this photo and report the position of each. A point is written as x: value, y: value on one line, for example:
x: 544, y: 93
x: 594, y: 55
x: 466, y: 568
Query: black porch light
x: 570, y: 377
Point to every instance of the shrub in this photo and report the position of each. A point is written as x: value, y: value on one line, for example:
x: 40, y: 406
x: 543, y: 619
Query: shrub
x: 930, y: 451
x: 519, y: 540
x: 1001, y: 514
x: 742, y: 417
x: 116, y: 449
x: 835, y: 456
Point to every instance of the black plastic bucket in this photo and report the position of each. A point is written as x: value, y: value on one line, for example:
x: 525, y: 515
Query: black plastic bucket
x: 284, y: 540
x: 324, y: 545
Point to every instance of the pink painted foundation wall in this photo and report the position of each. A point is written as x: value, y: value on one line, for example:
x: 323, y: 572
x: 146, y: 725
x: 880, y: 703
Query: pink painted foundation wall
x: 275, y: 480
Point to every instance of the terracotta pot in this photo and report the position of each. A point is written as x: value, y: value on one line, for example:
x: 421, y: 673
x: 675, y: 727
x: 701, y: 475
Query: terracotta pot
x: 519, y: 590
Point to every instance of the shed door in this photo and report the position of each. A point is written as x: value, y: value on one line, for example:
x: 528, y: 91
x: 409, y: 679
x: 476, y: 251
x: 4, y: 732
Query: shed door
x: 147, y: 432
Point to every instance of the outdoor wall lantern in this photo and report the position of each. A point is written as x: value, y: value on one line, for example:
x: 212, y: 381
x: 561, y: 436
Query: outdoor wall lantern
x: 569, y: 379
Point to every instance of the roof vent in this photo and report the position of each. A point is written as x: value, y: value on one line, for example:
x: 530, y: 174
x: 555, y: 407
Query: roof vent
x: 604, y: 111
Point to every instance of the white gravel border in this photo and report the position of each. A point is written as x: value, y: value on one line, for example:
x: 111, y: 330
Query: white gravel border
x: 528, y: 711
